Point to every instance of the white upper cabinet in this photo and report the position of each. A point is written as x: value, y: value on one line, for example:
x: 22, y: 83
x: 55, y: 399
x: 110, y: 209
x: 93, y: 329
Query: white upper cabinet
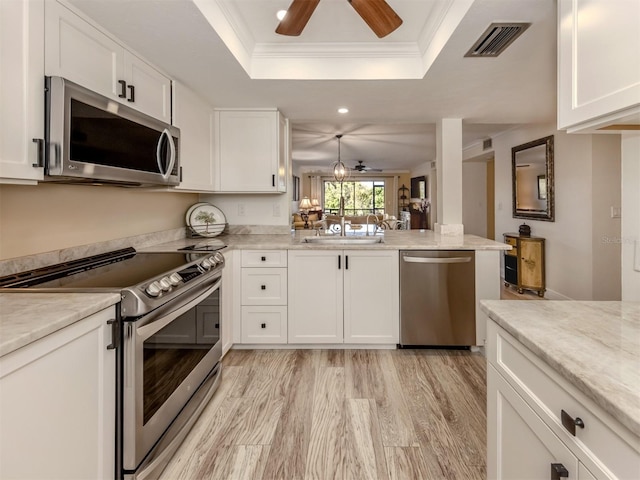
x: 22, y: 92
x: 598, y: 64
x: 251, y: 151
x: 194, y: 117
x: 78, y: 51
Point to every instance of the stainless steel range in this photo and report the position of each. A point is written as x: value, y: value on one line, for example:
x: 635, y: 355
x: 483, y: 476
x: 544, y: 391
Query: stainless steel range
x: 168, y: 363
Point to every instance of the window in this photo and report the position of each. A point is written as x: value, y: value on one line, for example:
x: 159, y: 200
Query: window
x: 360, y: 197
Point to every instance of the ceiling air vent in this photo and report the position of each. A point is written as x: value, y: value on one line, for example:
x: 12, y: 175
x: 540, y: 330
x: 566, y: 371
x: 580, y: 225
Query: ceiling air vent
x: 496, y: 38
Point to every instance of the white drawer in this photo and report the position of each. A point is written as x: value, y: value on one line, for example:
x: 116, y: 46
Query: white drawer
x: 603, y: 440
x: 264, y: 324
x: 264, y: 258
x: 264, y: 286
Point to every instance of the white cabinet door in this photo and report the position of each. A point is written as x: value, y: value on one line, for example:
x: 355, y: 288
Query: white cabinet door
x: 315, y: 296
x: 249, y: 146
x: 194, y: 118
x: 151, y: 89
x: 228, y: 309
x: 264, y: 286
x: 598, y: 61
x: 79, y: 52
x: 22, y: 92
x: 371, y: 296
x: 520, y: 445
x: 57, y: 406
x: 264, y: 324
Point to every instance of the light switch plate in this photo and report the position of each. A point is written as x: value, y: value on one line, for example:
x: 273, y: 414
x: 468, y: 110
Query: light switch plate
x: 636, y: 256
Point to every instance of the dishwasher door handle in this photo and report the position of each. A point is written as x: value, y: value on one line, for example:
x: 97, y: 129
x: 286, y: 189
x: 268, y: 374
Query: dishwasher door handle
x: 436, y: 260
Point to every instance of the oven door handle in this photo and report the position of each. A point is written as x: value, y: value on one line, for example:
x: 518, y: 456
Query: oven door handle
x: 156, y: 321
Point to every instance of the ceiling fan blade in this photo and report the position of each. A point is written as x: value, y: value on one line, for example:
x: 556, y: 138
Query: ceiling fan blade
x: 380, y: 17
x: 297, y: 16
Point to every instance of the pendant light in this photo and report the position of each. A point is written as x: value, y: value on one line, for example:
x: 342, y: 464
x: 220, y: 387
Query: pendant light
x: 340, y: 171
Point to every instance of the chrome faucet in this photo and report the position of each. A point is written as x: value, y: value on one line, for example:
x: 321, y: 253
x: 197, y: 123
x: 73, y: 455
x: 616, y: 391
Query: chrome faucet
x: 341, y: 215
x: 376, y: 224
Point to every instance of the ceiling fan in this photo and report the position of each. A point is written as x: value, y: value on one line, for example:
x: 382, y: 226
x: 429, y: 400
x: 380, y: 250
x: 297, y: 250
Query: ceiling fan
x: 363, y: 168
x: 380, y: 17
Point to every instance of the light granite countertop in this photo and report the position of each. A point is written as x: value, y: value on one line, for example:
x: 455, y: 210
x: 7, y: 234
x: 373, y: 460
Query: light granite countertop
x: 393, y: 240
x: 27, y: 317
x: 594, y: 345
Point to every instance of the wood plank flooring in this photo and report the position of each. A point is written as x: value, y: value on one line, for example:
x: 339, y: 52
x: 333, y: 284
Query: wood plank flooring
x: 341, y: 415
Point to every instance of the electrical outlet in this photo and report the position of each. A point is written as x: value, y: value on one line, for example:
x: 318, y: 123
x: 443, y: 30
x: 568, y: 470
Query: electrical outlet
x: 276, y: 209
x: 241, y: 209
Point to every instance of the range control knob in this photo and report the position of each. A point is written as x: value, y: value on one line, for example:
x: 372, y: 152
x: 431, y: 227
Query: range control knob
x: 213, y: 260
x: 205, y: 264
x: 219, y: 257
x: 153, y: 289
x: 165, y: 283
x: 175, y: 279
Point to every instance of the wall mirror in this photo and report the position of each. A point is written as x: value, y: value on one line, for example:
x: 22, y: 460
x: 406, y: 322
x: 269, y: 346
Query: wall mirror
x: 532, y: 177
x: 419, y: 187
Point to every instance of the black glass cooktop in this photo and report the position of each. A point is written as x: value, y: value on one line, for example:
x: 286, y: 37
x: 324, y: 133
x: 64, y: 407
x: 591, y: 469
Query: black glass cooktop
x: 114, y: 270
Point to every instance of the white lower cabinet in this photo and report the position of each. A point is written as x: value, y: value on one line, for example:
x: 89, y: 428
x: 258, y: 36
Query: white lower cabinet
x: 57, y: 404
x: 526, y: 435
x: 228, y: 309
x: 264, y: 296
x: 343, y: 296
x: 522, y: 446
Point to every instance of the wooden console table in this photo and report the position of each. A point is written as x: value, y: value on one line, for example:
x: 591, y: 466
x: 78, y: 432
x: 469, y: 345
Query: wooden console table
x: 524, y: 263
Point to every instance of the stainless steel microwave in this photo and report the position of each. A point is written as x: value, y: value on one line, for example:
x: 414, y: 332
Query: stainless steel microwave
x: 93, y: 139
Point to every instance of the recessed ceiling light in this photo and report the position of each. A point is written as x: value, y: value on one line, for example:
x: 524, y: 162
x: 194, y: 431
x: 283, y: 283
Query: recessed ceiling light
x: 280, y: 14
x: 343, y: 110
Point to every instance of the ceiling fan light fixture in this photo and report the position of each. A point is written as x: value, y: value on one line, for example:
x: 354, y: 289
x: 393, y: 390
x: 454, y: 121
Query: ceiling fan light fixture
x: 280, y: 14
x: 343, y: 110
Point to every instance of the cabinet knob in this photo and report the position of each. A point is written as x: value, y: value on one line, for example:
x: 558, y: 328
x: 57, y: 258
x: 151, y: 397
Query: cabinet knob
x: 571, y: 423
x: 263, y: 325
x: 263, y: 259
x: 558, y: 471
x: 263, y: 287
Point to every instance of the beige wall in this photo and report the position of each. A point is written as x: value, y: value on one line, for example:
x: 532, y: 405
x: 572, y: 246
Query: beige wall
x: 572, y: 269
x: 37, y: 219
x: 474, y: 198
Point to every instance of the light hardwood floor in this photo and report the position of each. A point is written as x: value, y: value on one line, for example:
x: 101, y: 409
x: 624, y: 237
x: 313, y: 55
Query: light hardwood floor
x: 341, y: 414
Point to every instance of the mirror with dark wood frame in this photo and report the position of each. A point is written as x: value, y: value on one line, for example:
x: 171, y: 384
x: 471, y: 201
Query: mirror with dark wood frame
x: 532, y: 180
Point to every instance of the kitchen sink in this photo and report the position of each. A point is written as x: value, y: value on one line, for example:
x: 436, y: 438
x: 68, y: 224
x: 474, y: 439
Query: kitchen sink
x: 346, y: 240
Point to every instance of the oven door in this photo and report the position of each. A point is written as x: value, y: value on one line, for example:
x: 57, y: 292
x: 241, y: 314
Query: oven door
x: 168, y: 354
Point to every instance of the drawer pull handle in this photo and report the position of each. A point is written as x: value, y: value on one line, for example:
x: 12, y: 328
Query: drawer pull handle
x: 263, y: 325
x: 263, y: 287
x: 217, y: 325
x: 570, y: 423
x: 558, y: 471
x: 264, y: 259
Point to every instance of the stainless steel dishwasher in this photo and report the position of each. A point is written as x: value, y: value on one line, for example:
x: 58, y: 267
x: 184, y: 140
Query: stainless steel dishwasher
x: 437, y: 298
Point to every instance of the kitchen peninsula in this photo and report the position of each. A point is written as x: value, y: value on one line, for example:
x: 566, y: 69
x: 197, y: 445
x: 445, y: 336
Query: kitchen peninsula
x: 563, y: 387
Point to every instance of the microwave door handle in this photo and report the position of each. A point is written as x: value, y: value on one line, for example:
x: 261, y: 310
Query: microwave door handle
x: 172, y: 159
